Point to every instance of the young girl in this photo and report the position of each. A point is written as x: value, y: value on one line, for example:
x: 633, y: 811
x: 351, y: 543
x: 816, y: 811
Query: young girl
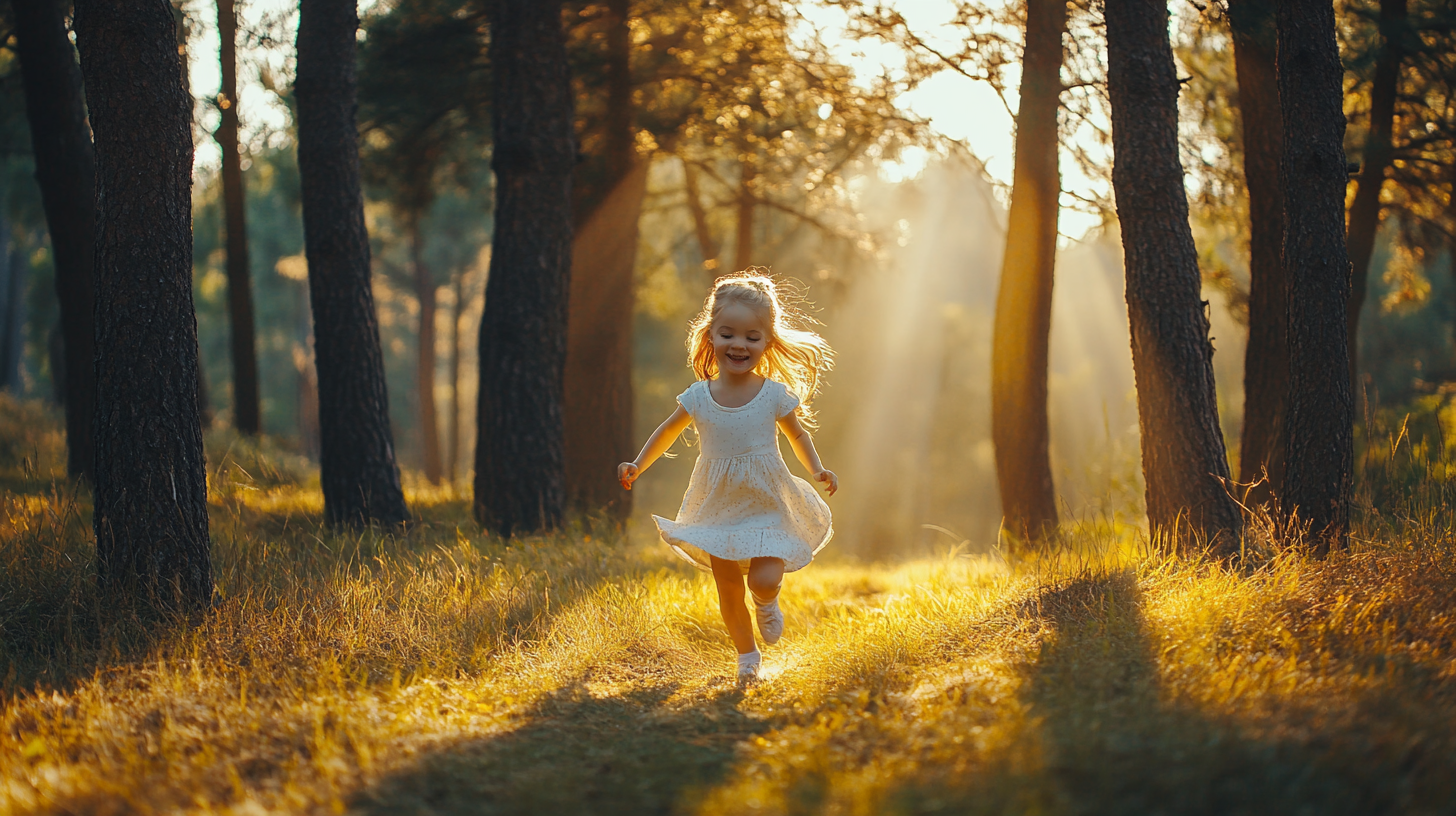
x: 744, y: 513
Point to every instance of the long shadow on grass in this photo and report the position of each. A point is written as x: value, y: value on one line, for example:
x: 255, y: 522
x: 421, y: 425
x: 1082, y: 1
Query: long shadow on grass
x: 1103, y: 737
x: 577, y: 753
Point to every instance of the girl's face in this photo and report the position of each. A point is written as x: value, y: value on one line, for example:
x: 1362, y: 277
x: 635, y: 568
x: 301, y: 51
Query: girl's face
x: 739, y: 339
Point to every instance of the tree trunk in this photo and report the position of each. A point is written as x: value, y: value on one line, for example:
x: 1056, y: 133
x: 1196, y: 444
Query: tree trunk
x: 519, y: 454
x: 357, y: 467
x: 1185, y: 467
x: 246, y: 416
x: 599, y: 350
x: 598, y: 382
x: 1364, y: 216
x: 1022, y: 331
x: 65, y: 169
x: 429, y: 415
x: 1318, y: 445
x: 17, y: 283
x: 457, y: 312
x: 151, y: 478
x: 1266, y: 358
x: 743, y: 247
x: 707, y: 244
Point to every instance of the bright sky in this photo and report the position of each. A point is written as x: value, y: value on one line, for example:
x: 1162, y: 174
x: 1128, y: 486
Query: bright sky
x: 957, y: 107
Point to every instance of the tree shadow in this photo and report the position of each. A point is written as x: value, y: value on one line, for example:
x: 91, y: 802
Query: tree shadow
x: 580, y: 752
x: 1103, y: 735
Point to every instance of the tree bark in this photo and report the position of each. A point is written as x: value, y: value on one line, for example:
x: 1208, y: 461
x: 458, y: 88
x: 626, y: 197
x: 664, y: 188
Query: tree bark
x: 425, y: 361
x: 1318, y: 446
x: 1022, y: 331
x: 1185, y: 467
x: 357, y: 466
x: 519, y: 455
x: 1364, y: 216
x: 598, y: 380
x: 151, y: 478
x: 246, y: 414
x: 743, y: 246
x: 1266, y: 357
x: 65, y: 169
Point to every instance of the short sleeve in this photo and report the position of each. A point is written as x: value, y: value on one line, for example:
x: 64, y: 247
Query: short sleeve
x: 688, y: 399
x: 787, y: 401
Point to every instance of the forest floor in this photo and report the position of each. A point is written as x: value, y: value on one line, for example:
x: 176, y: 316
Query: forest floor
x: 440, y: 671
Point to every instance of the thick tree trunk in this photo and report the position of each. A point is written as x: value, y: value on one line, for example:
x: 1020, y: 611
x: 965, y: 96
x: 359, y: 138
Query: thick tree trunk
x: 246, y: 415
x: 707, y: 244
x: 1266, y: 358
x: 65, y: 169
x: 598, y: 382
x: 1019, y: 345
x: 743, y: 246
x: 1318, y: 446
x: 1185, y: 468
x: 357, y: 467
x: 519, y: 454
x: 599, y: 350
x: 151, y: 478
x: 425, y: 361
x: 457, y: 312
x: 1364, y: 216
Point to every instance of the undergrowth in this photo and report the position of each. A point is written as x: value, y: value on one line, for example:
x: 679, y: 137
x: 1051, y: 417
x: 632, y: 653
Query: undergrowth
x: 438, y: 670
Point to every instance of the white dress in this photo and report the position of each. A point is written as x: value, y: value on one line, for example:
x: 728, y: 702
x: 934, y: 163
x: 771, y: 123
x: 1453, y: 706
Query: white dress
x: 742, y: 501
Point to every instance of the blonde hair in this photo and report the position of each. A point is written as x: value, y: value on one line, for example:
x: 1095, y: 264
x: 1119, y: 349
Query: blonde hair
x: 794, y: 354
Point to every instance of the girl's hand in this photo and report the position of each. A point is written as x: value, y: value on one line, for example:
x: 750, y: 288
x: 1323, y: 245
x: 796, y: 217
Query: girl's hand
x: 830, y: 479
x: 627, y: 474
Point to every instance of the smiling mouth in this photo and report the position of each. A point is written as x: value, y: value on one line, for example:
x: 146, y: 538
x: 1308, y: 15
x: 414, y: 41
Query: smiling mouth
x: 738, y: 359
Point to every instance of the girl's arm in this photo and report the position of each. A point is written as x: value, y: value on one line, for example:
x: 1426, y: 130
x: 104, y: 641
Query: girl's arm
x: 803, y: 446
x: 656, y: 446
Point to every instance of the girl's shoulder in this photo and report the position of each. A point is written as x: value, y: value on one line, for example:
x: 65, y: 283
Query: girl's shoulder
x: 783, y: 399
x: 691, y: 397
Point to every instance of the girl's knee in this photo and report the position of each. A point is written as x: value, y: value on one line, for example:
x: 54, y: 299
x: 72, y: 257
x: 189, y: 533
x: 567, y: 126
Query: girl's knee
x: 765, y: 575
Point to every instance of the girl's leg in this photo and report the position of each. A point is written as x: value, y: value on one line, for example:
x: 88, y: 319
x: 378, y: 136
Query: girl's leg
x: 764, y: 577
x: 730, y: 602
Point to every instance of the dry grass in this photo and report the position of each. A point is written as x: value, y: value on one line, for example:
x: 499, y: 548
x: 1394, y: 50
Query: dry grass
x: 439, y: 671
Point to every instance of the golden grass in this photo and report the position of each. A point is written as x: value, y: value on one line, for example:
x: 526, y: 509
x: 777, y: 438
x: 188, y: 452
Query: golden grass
x: 441, y: 671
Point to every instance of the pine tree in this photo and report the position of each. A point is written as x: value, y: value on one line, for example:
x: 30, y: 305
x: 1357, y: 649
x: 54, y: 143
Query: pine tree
x: 519, y: 458
x: 1020, y: 343
x: 151, y: 479
x: 357, y: 467
x: 1185, y: 468
x: 65, y: 168
x: 1318, y: 444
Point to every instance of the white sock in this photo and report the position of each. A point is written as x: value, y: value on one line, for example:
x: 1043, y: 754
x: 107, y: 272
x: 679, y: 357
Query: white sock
x: 757, y: 601
x: 750, y: 658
